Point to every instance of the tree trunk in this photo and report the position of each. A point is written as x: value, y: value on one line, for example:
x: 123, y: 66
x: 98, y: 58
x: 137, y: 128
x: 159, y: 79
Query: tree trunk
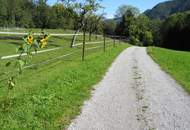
x: 74, y: 38
x: 96, y: 35
x: 90, y: 36
x: 83, y: 47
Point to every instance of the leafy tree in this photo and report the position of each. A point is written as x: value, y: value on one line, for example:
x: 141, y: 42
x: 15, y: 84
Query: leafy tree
x: 139, y: 30
x: 23, y: 17
x: 3, y: 13
x: 155, y: 26
x: 148, y: 38
x: 94, y: 24
x: 82, y: 8
x: 139, y: 26
x: 126, y: 8
x: 42, y: 14
x: 134, y: 41
x: 126, y: 20
x: 109, y: 26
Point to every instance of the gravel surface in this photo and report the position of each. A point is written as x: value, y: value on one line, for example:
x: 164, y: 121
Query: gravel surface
x: 135, y: 94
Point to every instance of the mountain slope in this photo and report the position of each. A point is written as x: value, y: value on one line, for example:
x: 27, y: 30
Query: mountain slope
x: 164, y: 9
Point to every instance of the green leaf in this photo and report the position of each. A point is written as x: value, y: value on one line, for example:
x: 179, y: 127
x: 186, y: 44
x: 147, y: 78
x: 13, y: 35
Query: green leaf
x: 8, y: 64
x: 25, y: 47
x: 19, y: 49
x: 11, y: 83
x: 36, y: 44
x: 21, y: 63
x: 25, y: 40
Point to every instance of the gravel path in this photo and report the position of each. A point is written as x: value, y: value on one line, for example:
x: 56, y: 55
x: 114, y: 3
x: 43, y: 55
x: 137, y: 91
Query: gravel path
x: 135, y: 94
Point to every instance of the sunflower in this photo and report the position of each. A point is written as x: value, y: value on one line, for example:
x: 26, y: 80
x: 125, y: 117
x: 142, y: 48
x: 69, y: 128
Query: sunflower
x: 43, y: 43
x: 30, y: 39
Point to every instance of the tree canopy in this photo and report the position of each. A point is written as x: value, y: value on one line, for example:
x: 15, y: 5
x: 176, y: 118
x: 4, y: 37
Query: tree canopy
x: 126, y: 8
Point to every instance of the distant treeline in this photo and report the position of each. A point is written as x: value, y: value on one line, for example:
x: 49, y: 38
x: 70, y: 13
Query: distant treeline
x: 35, y: 14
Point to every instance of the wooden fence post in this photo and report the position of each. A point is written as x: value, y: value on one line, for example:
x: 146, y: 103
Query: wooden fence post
x: 114, y: 44
x: 104, y: 43
x: 83, y: 45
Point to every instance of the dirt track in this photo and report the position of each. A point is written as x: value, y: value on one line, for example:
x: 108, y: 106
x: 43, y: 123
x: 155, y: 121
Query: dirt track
x: 135, y: 94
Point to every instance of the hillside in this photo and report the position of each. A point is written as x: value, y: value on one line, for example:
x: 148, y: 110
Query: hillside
x: 164, y: 9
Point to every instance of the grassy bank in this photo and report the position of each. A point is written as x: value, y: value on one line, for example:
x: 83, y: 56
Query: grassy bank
x: 176, y: 63
x: 49, y: 96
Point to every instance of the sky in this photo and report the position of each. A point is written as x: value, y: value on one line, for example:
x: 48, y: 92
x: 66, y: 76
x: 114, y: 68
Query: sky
x: 112, y: 5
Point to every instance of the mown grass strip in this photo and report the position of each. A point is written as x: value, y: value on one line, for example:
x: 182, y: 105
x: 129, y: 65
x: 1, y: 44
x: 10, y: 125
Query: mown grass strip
x: 176, y: 63
x: 49, y: 97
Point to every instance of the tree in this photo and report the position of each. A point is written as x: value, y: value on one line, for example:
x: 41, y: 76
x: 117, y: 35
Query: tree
x: 109, y: 26
x: 127, y: 18
x: 82, y: 8
x: 139, y: 26
x: 140, y: 30
x: 16, y: 13
x: 3, y: 13
x: 23, y: 17
x: 41, y: 18
x: 126, y: 8
x: 94, y: 24
x: 148, y: 38
x: 155, y: 26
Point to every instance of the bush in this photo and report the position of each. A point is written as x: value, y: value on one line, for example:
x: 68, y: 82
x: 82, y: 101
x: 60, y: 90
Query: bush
x: 133, y: 40
x: 148, y: 38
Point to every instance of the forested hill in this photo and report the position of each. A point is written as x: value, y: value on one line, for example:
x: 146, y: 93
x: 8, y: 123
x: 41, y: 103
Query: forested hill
x: 164, y: 9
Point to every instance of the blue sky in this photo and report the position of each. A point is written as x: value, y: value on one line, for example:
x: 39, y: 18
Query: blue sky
x: 112, y: 5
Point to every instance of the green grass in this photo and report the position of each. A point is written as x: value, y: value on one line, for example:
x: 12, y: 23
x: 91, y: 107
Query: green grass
x: 50, y: 96
x: 176, y: 63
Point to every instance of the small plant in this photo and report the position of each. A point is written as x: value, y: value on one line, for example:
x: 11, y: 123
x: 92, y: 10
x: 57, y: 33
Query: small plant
x: 29, y: 45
